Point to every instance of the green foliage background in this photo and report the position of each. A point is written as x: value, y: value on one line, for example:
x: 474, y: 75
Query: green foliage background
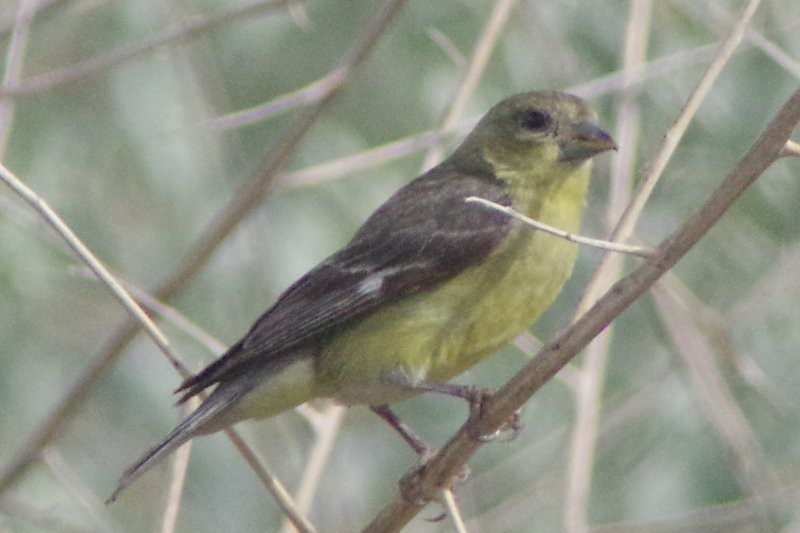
x: 132, y: 159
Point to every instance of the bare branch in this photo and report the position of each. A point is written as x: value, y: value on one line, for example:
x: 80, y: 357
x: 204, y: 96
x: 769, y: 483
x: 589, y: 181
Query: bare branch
x: 589, y: 379
x: 638, y: 251
x: 792, y: 149
x: 477, y: 64
x: 453, y: 512
x: 240, y: 206
x: 95, y: 65
x: 87, y: 257
x: 440, y: 471
x: 715, y: 397
x: 15, y: 54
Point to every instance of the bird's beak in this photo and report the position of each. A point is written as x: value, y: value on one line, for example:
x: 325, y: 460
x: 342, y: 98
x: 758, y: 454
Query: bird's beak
x: 584, y: 140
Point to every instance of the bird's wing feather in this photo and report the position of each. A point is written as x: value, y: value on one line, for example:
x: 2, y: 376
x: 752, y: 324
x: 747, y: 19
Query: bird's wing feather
x: 423, y: 236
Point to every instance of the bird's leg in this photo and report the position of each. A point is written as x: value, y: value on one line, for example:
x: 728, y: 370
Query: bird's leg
x: 476, y: 398
x: 423, y: 450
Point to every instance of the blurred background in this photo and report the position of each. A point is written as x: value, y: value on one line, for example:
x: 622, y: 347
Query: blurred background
x: 141, y: 124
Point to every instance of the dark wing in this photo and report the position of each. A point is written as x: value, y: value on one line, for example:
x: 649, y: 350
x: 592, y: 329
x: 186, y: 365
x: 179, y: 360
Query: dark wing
x: 425, y: 234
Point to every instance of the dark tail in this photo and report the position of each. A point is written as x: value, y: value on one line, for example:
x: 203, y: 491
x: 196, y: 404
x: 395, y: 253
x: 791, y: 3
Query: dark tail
x: 216, y: 404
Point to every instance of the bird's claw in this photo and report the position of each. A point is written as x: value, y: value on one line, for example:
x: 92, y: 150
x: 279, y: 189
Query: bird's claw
x: 513, y: 426
x: 409, y: 486
x: 409, y: 483
x: 438, y: 518
x: 477, y: 402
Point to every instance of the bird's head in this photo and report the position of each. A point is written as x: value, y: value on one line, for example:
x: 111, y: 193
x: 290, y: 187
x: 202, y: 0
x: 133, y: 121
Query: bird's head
x: 542, y: 128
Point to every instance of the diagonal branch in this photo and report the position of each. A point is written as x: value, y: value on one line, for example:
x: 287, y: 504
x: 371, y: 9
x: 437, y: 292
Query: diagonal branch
x: 247, y: 198
x: 118, y: 56
x: 426, y: 482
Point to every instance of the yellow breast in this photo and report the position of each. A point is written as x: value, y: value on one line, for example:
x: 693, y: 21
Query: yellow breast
x: 436, y: 335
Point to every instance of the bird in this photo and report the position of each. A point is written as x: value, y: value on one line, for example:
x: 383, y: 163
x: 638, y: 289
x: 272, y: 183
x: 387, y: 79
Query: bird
x: 428, y: 286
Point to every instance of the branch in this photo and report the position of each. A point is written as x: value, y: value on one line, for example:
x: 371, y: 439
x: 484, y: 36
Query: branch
x: 791, y: 149
x: 639, y: 251
x: 426, y: 482
x: 118, y: 56
x: 592, y: 374
x: 477, y: 65
x: 194, y: 260
x: 587, y: 387
x: 83, y: 253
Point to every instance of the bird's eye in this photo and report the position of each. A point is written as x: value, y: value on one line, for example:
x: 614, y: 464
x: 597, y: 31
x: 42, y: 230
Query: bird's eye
x: 535, y: 120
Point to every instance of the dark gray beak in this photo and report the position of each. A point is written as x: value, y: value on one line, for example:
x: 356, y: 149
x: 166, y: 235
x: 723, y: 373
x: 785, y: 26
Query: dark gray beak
x: 585, y: 140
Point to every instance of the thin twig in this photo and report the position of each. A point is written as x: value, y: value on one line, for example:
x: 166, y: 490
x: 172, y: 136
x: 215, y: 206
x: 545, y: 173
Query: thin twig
x: 350, y: 164
x: 37, y: 515
x: 7, y: 23
x: 272, y: 484
x: 251, y: 194
x: 449, y: 48
x: 95, y: 65
x: 79, y: 491
x: 638, y: 251
x: 769, y: 48
x: 172, y: 316
x: 738, y: 515
x: 144, y: 321
x: 689, y: 335
x: 193, y: 262
x: 439, y: 472
x: 177, y: 478
x: 792, y: 149
x: 656, y: 68
x: 590, y: 376
x: 477, y: 65
x: 326, y: 426
x: 15, y: 54
x: 453, y: 512
x: 311, y: 93
x: 593, y: 372
x: 86, y: 256
x: 656, y: 167
x: 201, y: 90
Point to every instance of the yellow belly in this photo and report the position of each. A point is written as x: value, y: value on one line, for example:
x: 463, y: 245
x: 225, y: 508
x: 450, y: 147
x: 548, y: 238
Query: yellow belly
x: 437, y: 335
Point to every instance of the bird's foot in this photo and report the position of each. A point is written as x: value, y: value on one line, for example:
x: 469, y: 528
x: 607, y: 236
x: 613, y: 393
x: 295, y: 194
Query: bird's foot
x: 477, y: 399
x: 410, y: 487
